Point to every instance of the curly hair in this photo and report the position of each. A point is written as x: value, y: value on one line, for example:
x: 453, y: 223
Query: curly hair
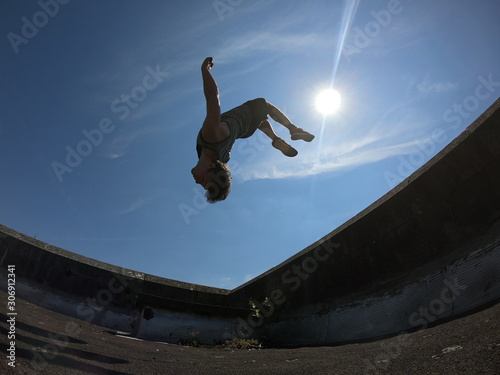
x: 219, y: 188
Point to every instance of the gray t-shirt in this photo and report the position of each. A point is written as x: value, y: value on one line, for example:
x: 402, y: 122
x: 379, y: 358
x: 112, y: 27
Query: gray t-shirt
x: 239, y: 121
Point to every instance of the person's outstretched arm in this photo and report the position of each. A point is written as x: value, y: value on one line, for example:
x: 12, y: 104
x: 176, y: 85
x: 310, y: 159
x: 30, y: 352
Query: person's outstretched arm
x: 211, y: 124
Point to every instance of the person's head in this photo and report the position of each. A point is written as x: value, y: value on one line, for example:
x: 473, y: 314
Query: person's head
x: 215, y: 177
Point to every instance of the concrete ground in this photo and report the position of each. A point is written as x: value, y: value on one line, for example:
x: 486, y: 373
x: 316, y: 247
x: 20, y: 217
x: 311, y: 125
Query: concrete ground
x: 51, y: 343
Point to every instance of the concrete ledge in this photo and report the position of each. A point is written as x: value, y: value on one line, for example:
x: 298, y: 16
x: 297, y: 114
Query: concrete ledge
x: 396, y: 266
x: 94, y: 291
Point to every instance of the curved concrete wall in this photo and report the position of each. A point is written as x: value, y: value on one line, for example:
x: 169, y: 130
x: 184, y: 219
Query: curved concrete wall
x: 426, y: 251
x: 108, y: 295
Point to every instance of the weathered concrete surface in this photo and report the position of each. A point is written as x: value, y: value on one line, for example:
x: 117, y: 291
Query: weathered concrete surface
x: 49, y: 343
x: 426, y: 251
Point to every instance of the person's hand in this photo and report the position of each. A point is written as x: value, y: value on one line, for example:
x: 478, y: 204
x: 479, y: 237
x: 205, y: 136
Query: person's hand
x: 208, y: 63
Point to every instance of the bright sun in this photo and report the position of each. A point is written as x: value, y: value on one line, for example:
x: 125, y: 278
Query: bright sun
x: 328, y: 101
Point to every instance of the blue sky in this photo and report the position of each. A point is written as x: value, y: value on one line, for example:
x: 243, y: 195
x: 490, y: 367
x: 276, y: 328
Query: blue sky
x: 102, y: 102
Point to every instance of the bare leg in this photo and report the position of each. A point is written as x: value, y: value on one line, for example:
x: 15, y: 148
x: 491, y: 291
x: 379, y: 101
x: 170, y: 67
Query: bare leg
x: 295, y: 132
x: 278, y: 143
x: 278, y: 116
x: 267, y: 129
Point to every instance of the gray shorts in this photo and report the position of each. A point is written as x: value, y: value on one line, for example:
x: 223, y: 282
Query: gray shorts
x: 249, y: 115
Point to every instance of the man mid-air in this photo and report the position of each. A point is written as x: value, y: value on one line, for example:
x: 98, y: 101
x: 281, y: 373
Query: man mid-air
x: 219, y: 132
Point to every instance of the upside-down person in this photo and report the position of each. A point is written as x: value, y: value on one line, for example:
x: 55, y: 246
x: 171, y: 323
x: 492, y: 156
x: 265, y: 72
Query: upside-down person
x: 219, y: 132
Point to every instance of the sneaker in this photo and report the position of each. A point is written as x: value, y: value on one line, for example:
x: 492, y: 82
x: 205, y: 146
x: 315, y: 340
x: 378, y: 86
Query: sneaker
x: 284, y: 147
x: 301, y: 134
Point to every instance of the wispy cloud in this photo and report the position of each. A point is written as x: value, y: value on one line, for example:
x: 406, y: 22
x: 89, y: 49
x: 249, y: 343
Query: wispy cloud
x: 245, y: 45
x: 426, y: 87
x: 133, y: 206
x: 123, y: 139
x: 139, y: 202
x: 397, y: 133
x: 120, y: 143
x: 331, y: 161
